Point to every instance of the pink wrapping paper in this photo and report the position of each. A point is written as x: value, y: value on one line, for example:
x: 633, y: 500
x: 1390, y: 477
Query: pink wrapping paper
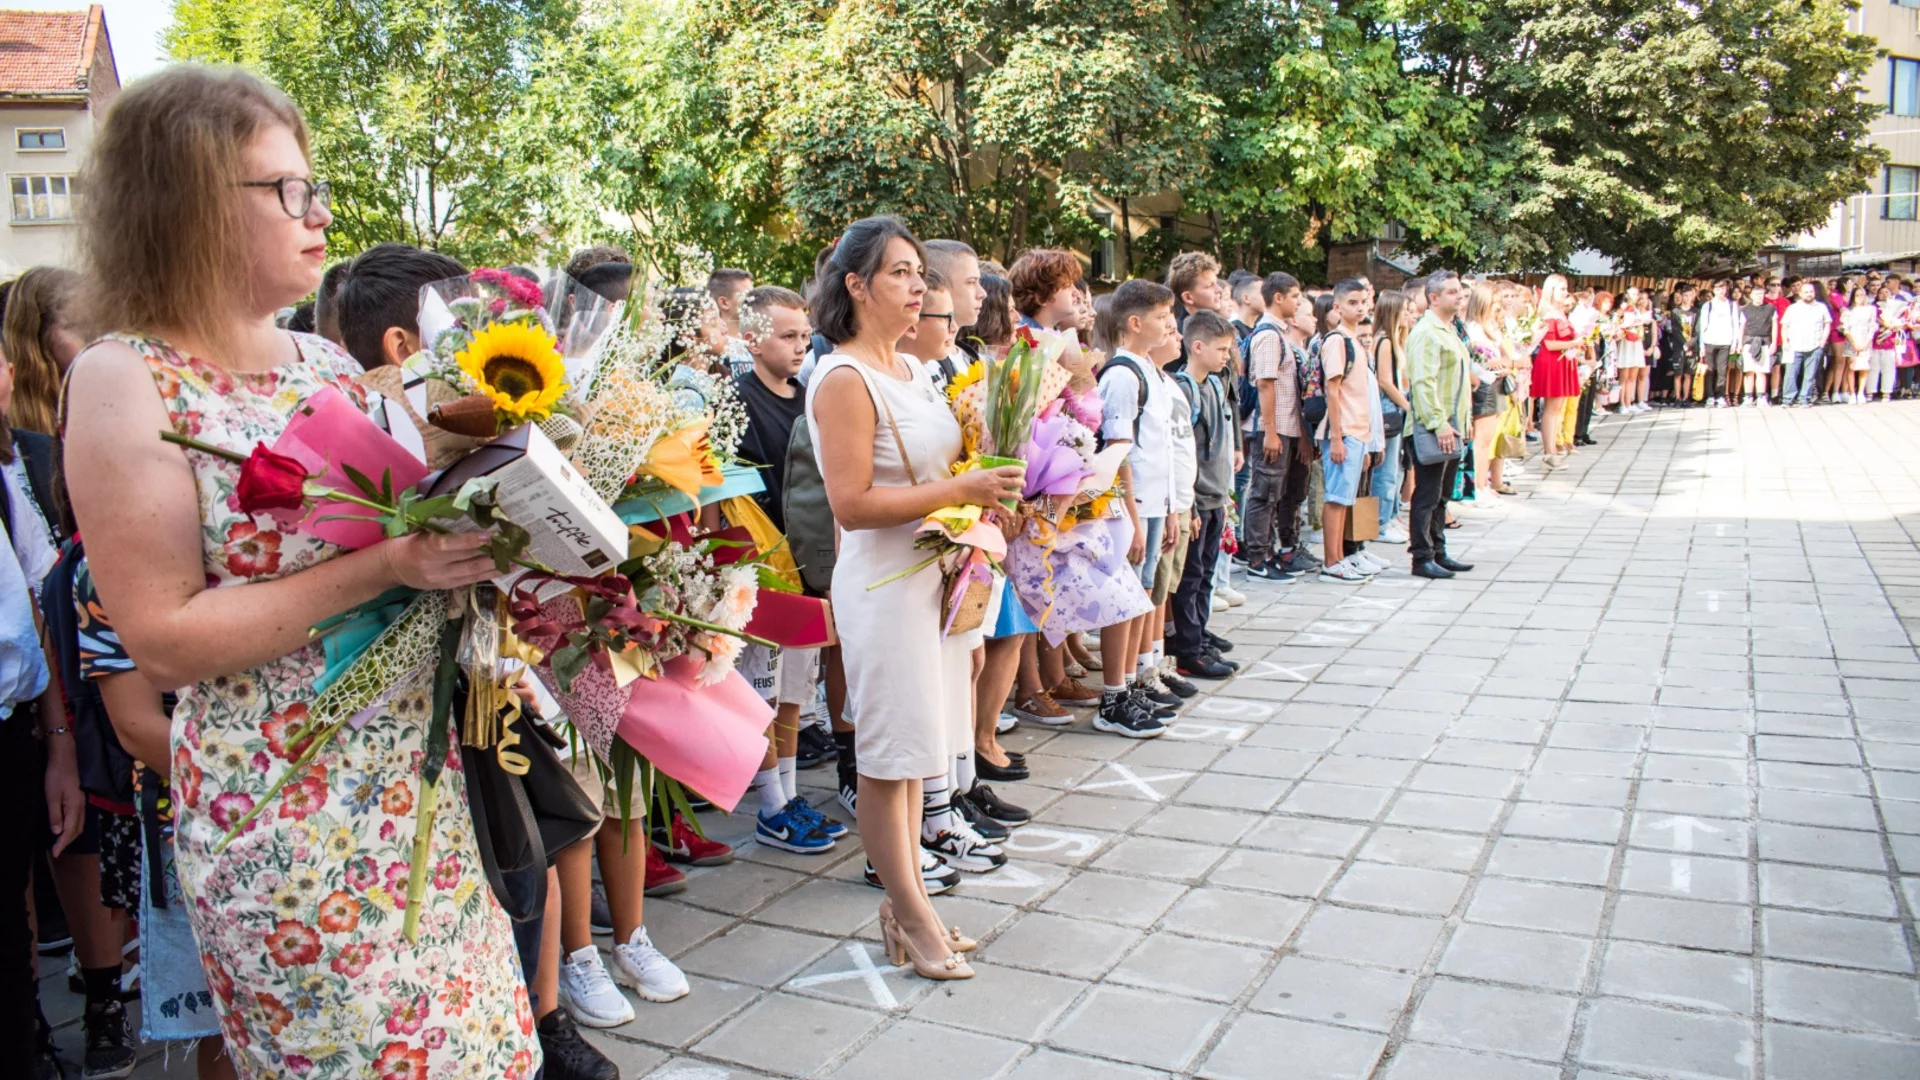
x: 327, y: 431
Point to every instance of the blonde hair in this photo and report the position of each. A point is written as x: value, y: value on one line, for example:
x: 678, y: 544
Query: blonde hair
x: 1480, y: 309
x: 1389, y: 318
x: 1554, y: 292
x: 36, y: 303
x: 163, y: 227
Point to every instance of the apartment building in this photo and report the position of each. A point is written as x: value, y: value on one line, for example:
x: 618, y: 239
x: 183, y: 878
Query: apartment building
x: 56, y: 76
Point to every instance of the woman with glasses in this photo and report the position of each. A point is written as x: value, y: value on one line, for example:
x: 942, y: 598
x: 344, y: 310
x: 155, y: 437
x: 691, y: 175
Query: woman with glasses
x: 204, y: 220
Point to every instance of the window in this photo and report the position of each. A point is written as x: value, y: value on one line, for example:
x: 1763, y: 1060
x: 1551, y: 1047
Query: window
x: 1903, y: 181
x: 42, y: 198
x: 32, y: 139
x: 1903, y: 97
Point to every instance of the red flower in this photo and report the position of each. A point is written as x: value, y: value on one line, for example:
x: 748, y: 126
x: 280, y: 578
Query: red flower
x: 1025, y: 334
x: 353, y: 960
x: 522, y: 1064
x: 217, y: 978
x: 186, y: 779
x: 397, y: 882
x: 278, y: 1015
x: 293, y: 718
x: 339, y: 913
x: 306, y: 797
x: 435, y: 1038
x: 362, y: 874
x: 446, y: 873
x: 291, y: 943
x: 231, y: 807
x: 251, y: 550
x: 397, y: 799
x: 522, y: 1011
x: 398, y: 1061
x: 270, y: 481
x: 457, y: 995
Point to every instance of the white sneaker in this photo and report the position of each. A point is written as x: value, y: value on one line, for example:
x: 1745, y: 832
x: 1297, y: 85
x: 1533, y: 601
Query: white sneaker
x: 1220, y: 602
x: 1394, y: 533
x: 1234, y: 597
x: 1342, y: 573
x: 1006, y: 723
x: 654, y: 977
x: 588, y: 992
x: 1367, y: 562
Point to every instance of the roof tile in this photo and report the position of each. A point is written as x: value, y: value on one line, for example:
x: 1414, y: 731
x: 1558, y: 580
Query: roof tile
x: 41, y: 51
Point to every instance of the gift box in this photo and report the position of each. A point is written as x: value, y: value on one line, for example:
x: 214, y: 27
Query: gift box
x: 574, y: 531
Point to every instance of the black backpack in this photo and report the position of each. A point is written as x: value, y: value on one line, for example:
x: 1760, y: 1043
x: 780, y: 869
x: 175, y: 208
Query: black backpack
x: 1249, y: 392
x: 106, y: 769
x: 1311, y: 379
x: 1140, y: 376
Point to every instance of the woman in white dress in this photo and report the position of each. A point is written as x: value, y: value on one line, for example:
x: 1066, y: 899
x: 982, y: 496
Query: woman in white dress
x: 885, y: 440
x: 1635, y: 325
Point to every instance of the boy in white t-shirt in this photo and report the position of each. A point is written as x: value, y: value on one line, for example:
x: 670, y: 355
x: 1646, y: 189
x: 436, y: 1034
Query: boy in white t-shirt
x: 1153, y: 671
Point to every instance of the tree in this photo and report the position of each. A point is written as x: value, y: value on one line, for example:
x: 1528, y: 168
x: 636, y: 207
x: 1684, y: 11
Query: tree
x: 436, y: 120
x: 1660, y: 133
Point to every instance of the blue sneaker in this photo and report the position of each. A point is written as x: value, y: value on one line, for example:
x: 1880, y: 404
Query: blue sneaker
x: 791, y: 830
x: 834, y: 829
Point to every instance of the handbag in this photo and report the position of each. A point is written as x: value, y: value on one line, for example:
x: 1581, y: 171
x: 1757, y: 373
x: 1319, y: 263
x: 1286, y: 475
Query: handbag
x: 809, y: 517
x: 1426, y: 444
x: 521, y: 822
x: 961, y: 610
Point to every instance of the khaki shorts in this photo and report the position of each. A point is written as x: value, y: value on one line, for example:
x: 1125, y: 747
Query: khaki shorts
x: 1166, y: 576
x: 781, y: 676
x: 587, y: 773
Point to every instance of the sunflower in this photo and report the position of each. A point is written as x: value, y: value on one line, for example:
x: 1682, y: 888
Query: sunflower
x: 518, y: 366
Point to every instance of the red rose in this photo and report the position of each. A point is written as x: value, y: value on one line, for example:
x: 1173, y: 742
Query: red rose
x: 270, y: 481
x: 1025, y: 334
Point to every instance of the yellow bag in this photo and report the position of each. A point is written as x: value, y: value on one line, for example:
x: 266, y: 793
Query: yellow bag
x: 1699, y: 382
x: 1510, y: 438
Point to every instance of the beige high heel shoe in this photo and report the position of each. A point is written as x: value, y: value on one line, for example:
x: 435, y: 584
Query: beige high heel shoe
x: 900, y: 953
x: 956, y: 940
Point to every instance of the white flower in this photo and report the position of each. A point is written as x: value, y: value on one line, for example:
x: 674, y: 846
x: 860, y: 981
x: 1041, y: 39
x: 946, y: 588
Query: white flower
x: 739, y: 593
x: 723, y: 651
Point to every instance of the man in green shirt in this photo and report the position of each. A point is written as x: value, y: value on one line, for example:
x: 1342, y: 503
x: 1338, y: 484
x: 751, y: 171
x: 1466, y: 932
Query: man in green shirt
x: 1437, y: 365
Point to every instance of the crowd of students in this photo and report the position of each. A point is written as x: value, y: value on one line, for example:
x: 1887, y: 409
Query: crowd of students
x: 1254, y: 412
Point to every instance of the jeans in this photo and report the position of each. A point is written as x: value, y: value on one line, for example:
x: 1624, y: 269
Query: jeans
x: 1715, y: 357
x: 1271, y: 516
x: 1386, y: 480
x: 1193, y: 596
x: 1428, y: 528
x: 1803, y: 376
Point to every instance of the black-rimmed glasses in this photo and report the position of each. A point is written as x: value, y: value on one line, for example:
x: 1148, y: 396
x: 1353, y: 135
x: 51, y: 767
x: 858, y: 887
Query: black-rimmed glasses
x: 297, y: 194
x: 948, y: 316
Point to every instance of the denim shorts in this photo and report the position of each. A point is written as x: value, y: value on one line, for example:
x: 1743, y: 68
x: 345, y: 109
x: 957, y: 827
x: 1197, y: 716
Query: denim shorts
x: 1156, y: 528
x: 1343, y: 480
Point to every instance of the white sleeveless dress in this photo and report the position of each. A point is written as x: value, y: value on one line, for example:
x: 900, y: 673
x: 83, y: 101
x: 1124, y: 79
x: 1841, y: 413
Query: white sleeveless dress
x: 909, y: 690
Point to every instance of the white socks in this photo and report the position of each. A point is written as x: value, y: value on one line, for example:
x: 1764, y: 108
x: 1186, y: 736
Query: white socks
x: 963, y: 772
x: 788, y: 767
x: 773, y: 798
x: 936, y: 804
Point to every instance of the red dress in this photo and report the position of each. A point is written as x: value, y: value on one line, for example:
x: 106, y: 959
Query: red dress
x: 1555, y: 375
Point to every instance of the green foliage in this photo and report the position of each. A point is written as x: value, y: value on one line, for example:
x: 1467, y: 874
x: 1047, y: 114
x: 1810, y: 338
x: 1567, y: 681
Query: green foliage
x: 1501, y: 133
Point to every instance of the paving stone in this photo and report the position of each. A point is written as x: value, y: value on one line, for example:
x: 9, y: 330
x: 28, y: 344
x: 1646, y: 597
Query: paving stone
x: 1628, y: 1035
x: 1424, y: 848
x: 1817, y: 808
x: 1114, y: 898
x: 1523, y: 1023
x: 1521, y: 957
x: 680, y: 1024
x: 1347, y: 801
x: 906, y: 1047
x: 1336, y: 993
x: 1821, y: 847
x: 1257, y: 1047
x: 1685, y: 977
x: 1825, y: 889
x: 1157, y: 857
x: 1078, y: 948
x: 1369, y: 937
x: 1254, y: 918
x: 1416, y: 1061
x: 1834, y: 939
x: 1190, y: 967
x: 1536, y: 905
x: 1692, y: 924
x: 756, y: 955
x: 1197, y: 825
x: 1275, y: 872
x: 1308, y: 836
x: 811, y: 1033
x: 1808, y: 1054
x: 1564, y: 822
x: 1400, y: 888
x: 1155, y: 1030
x: 1693, y: 876
x: 1426, y: 810
x: 1004, y: 1001
x: 1832, y: 997
x: 1233, y: 792
x: 1579, y: 864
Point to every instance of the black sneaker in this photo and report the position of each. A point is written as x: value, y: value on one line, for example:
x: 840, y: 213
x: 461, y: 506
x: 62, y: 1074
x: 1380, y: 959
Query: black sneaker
x: 1123, y: 714
x: 1298, y: 561
x: 1178, y: 686
x: 816, y: 748
x: 983, y: 799
x: 568, y: 1055
x: 1138, y: 695
x: 599, y: 915
x: 849, y: 787
x: 1159, y: 695
x: 935, y: 874
x: 1203, y: 666
x: 1220, y: 644
x: 1271, y: 571
x: 964, y: 849
x: 110, y: 1053
x: 990, y: 830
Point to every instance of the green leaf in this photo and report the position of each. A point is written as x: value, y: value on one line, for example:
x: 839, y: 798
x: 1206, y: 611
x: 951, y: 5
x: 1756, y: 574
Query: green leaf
x: 365, y: 485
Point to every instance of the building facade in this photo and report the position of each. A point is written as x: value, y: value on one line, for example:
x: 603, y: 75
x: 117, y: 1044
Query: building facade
x: 56, y: 76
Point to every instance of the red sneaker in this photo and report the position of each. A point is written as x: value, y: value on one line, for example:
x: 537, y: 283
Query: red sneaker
x: 662, y: 880
x: 689, y: 847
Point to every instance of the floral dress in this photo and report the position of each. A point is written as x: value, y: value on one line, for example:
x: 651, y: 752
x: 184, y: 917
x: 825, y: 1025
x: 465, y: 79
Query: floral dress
x: 299, y: 919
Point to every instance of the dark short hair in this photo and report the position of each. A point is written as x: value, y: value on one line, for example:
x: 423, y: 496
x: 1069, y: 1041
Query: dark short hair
x: 1239, y: 286
x: 1277, y: 284
x: 1348, y: 287
x: 381, y: 290
x: 1038, y: 274
x: 993, y: 325
x: 589, y: 257
x: 1438, y: 280
x: 1137, y: 297
x: 1206, y: 326
x: 301, y: 320
x: 326, y: 316
x: 936, y: 280
x: 860, y: 251
x: 613, y: 280
x: 726, y: 279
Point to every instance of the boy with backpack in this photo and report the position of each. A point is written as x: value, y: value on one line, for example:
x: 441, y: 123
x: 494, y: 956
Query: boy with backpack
x: 1136, y: 409
x: 1210, y: 341
x: 1346, y: 432
x: 1278, y: 370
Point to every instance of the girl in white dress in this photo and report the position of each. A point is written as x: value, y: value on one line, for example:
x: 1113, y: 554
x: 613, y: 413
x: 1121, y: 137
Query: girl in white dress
x: 885, y: 439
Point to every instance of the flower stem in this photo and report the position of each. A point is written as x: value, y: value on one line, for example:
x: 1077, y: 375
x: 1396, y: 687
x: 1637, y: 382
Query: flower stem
x: 909, y: 571
x: 689, y: 620
x: 205, y: 448
x: 422, y: 851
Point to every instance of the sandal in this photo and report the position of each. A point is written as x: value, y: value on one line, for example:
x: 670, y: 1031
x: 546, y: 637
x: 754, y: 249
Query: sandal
x: 1505, y: 488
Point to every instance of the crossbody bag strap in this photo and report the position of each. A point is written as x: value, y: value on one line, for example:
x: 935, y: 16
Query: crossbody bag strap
x: 893, y: 425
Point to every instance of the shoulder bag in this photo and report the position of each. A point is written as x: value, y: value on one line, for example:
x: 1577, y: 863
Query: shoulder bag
x: 1426, y: 444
